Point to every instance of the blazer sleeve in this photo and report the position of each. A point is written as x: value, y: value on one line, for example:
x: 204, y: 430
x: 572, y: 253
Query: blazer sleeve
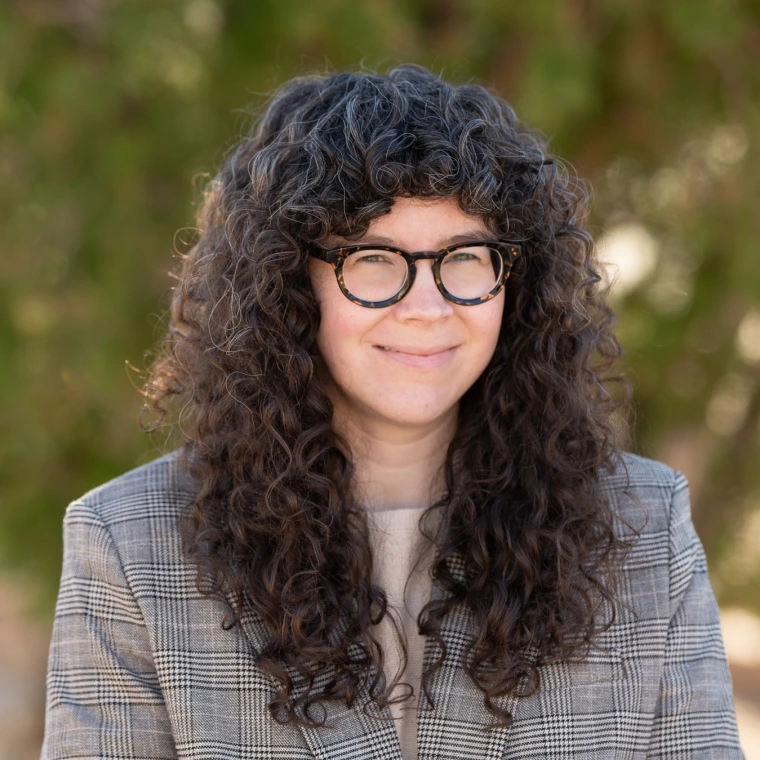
x: 103, y: 697
x: 694, y: 716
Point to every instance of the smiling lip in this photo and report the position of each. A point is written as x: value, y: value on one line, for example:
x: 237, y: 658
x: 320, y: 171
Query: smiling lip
x: 429, y: 360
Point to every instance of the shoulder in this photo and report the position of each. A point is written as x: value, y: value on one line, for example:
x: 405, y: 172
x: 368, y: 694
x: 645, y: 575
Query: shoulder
x: 151, y: 489
x: 136, y: 511
x: 646, y: 493
x: 641, y: 473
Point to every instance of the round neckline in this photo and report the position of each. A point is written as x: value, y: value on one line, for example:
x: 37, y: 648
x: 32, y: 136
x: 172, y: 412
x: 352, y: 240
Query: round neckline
x: 397, y: 509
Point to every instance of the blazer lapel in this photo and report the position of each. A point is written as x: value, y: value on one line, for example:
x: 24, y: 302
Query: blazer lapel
x: 348, y: 733
x: 454, y: 730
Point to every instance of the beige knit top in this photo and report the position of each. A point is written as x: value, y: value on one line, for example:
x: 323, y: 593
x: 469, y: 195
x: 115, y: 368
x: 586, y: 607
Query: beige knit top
x: 397, y: 542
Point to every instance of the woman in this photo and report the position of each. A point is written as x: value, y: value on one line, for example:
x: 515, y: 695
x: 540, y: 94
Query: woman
x: 389, y: 355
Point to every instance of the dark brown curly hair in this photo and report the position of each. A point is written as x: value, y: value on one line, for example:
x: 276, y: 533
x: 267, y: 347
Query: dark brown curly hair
x: 273, y: 518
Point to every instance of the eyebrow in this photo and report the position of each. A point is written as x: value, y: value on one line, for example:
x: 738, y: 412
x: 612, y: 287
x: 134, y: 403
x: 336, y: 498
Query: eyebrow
x: 462, y: 237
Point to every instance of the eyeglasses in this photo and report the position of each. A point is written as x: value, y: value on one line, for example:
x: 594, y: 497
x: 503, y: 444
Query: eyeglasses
x: 376, y: 275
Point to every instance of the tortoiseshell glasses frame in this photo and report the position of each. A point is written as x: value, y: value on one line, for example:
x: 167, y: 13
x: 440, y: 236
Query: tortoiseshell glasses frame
x: 508, y: 250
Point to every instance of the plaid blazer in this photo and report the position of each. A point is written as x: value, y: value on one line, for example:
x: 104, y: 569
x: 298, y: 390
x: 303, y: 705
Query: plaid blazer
x: 139, y: 666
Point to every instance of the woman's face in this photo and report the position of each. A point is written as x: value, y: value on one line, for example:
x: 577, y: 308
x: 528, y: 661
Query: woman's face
x: 438, y: 348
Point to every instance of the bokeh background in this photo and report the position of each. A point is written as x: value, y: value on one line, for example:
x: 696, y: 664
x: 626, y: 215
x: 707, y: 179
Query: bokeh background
x: 114, y: 114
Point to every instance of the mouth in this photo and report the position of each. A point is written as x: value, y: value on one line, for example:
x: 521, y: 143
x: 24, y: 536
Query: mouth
x: 426, y: 360
x: 421, y: 352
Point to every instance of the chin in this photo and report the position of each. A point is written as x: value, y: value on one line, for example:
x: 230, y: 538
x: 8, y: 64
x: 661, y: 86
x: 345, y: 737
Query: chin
x: 414, y: 414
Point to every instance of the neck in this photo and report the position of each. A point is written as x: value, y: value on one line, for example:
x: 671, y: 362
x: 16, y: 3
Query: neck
x: 395, y: 466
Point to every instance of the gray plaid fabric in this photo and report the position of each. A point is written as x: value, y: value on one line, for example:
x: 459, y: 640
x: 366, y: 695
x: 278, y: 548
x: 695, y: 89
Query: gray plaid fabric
x: 140, y: 667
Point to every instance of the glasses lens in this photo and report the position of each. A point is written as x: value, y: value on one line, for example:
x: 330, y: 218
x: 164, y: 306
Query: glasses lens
x: 374, y: 275
x: 471, y: 271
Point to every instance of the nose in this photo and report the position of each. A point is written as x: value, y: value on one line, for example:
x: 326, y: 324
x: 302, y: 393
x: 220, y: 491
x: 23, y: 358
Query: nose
x: 423, y: 300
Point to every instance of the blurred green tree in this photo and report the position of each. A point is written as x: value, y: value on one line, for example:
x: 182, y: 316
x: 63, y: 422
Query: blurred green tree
x: 113, y: 115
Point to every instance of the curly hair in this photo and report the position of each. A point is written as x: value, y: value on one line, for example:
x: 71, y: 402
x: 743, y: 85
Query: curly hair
x: 524, y: 509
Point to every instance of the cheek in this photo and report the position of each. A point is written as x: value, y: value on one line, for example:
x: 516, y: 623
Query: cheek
x: 485, y: 325
x: 341, y: 329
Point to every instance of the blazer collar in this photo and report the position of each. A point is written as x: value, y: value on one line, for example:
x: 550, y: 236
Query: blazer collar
x: 452, y: 730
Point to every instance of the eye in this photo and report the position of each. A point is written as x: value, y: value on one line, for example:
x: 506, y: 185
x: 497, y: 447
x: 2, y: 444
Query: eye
x: 373, y: 257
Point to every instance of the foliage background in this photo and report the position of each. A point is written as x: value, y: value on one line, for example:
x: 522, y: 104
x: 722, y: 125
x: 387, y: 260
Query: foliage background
x: 113, y: 115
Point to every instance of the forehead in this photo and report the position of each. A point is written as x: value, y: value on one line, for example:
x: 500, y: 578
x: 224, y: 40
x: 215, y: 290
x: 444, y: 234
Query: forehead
x: 422, y: 223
